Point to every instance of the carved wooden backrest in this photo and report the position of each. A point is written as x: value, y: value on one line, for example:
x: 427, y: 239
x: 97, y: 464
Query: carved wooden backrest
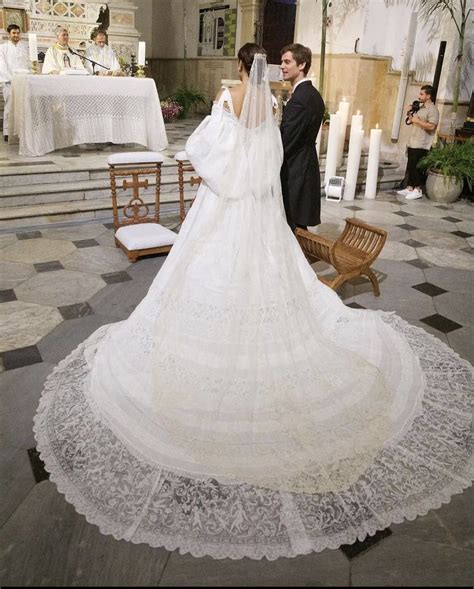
x: 136, y: 210
x: 185, y: 166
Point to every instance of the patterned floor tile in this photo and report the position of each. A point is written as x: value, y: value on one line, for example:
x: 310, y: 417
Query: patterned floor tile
x: 84, y: 243
x: 35, y: 251
x: 419, y: 263
x: 7, y: 295
x: 116, y: 277
x: 355, y: 306
x: 29, y: 235
x: 76, y: 311
x: 441, y: 323
x: 48, y: 266
x: 24, y: 324
x: 452, y: 219
x: 414, y: 243
x: 22, y: 357
x: 407, y: 227
x: 60, y: 288
x: 403, y: 214
x: 353, y: 550
x: 462, y: 234
x: 429, y: 289
x: 37, y: 466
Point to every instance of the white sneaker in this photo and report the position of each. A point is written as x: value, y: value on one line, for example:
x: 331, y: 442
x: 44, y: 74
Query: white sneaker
x: 403, y: 192
x: 414, y: 194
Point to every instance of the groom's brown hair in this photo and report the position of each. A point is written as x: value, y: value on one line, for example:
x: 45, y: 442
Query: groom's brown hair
x: 301, y: 54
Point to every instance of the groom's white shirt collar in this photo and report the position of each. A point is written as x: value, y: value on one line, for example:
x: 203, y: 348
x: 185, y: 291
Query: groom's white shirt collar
x: 298, y: 83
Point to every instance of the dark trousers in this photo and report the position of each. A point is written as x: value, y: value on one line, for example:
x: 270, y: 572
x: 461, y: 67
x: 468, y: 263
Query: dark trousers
x: 415, y: 177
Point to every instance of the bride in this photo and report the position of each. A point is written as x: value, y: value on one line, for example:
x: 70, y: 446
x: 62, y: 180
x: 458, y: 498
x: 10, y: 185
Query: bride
x: 243, y: 410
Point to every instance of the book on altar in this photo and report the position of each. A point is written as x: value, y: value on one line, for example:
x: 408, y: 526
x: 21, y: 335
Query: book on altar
x: 72, y: 72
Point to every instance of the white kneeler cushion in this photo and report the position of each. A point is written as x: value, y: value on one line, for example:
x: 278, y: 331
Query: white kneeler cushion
x: 181, y: 156
x: 145, y: 236
x: 134, y: 158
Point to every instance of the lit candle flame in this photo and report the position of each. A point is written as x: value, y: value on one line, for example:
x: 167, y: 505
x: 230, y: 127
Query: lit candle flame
x: 377, y: 126
x: 358, y: 112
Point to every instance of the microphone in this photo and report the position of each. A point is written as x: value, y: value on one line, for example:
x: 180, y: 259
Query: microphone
x: 84, y: 58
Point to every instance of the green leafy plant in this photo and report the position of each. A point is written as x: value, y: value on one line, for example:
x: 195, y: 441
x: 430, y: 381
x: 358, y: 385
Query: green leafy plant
x: 187, y: 98
x: 453, y: 159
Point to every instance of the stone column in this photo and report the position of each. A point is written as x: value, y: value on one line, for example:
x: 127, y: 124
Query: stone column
x: 250, y: 11
x: 122, y: 32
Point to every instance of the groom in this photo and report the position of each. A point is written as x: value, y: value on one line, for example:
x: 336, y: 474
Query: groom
x: 302, y: 118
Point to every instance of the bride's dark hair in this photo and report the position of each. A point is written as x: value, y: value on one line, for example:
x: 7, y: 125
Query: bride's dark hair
x: 246, y: 54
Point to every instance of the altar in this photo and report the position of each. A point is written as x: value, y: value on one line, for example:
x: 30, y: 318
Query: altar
x: 54, y: 112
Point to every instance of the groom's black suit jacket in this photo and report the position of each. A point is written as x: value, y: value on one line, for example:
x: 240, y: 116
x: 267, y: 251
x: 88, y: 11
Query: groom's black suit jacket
x: 302, y: 118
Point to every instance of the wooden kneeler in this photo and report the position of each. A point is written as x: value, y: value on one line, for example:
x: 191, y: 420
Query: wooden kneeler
x: 137, y: 224
x: 351, y: 254
x: 184, y: 165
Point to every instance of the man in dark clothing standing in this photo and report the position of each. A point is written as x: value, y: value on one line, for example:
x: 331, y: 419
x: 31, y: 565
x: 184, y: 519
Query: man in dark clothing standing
x: 301, y: 121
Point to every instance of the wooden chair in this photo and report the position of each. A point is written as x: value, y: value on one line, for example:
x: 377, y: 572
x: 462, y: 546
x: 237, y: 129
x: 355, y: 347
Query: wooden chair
x: 137, y: 225
x: 184, y: 165
x: 351, y: 254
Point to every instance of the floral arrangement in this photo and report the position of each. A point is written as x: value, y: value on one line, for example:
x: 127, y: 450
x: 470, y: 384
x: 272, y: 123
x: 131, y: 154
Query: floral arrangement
x: 171, y: 110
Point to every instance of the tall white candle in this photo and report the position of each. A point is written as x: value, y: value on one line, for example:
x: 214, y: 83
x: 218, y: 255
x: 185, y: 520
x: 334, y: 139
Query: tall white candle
x: 344, y: 106
x: 141, y: 53
x: 33, y: 45
x: 353, y: 162
x: 373, y: 163
x: 333, y: 146
x: 357, y: 120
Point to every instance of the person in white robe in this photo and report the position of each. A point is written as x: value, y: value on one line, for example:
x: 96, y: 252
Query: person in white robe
x: 59, y: 58
x: 104, y: 55
x: 13, y: 56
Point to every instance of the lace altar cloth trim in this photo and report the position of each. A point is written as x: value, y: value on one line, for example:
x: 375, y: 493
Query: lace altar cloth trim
x: 53, y: 112
x: 142, y: 503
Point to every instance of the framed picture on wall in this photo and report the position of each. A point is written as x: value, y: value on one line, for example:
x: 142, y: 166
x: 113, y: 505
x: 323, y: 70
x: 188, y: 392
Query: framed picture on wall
x: 15, y: 16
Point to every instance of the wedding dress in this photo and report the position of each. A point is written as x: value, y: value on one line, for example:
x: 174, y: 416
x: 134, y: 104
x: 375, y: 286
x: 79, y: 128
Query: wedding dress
x: 242, y: 410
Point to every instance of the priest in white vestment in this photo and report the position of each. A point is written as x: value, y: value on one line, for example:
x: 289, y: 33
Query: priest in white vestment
x: 104, y: 55
x: 13, y: 56
x: 59, y: 58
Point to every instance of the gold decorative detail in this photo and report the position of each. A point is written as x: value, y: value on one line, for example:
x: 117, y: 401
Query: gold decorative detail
x: 78, y: 10
x: 60, y: 9
x: 122, y: 19
x: 43, y: 6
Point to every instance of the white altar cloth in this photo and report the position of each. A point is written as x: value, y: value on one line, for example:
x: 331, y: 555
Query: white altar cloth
x: 53, y: 112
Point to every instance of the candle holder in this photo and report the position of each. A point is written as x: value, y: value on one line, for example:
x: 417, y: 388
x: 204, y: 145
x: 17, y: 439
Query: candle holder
x: 133, y: 65
x: 34, y: 68
x: 141, y: 72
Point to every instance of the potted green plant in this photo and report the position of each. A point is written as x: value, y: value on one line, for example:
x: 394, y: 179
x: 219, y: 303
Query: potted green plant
x: 448, y: 167
x: 187, y: 98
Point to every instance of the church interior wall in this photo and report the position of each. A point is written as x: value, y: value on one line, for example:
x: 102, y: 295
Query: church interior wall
x: 364, y: 50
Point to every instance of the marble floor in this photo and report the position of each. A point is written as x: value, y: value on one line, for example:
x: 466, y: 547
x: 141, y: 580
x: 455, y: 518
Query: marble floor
x: 59, y: 283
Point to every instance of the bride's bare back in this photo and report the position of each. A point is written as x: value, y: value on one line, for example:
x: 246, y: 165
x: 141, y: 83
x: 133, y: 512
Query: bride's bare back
x: 237, y: 94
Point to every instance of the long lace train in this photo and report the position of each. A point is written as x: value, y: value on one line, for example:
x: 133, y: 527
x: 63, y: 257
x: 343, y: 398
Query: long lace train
x: 141, y: 502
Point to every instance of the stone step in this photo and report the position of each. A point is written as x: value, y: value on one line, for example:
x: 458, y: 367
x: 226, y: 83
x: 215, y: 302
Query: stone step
x: 18, y: 174
x: 70, y: 186
x: 101, y: 208
x: 46, y: 214
x: 74, y: 190
x: 30, y: 172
